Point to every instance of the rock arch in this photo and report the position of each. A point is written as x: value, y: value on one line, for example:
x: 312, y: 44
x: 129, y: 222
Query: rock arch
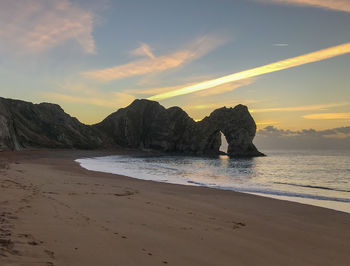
x: 238, y: 127
x: 143, y: 124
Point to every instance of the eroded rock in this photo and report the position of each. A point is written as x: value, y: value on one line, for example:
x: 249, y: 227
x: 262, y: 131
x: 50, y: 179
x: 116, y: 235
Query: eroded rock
x: 148, y: 125
x: 143, y: 124
x: 23, y: 124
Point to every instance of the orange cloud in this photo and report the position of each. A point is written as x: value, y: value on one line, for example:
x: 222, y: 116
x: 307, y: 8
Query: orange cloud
x: 143, y: 50
x: 218, y: 105
x: 264, y: 123
x: 218, y: 90
x: 254, y: 72
x: 80, y: 93
x: 152, y: 90
x: 315, y: 107
x: 155, y: 64
x: 113, y: 100
x: 226, y: 87
x: 141, y: 67
x: 340, y: 5
x: 327, y: 116
x: 37, y: 25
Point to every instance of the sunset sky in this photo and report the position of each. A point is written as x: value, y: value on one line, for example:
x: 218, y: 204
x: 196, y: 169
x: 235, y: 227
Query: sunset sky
x: 287, y: 60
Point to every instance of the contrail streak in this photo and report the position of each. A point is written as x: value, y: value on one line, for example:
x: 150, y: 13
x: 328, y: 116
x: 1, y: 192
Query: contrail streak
x: 276, y: 66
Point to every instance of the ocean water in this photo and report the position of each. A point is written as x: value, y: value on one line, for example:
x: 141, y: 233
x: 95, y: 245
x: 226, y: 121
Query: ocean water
x: 320, y: 178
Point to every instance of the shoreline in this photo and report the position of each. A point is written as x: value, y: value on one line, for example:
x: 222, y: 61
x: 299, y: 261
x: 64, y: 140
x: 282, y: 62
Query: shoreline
x: 326, y: 204
x: 325, y: 201
x: 55, y: 212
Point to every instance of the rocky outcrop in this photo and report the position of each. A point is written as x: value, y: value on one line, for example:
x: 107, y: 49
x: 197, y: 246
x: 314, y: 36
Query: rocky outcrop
x: 148, y: 125
x: 23, y: 124
x: 237, y: 125
x: 143, y: 125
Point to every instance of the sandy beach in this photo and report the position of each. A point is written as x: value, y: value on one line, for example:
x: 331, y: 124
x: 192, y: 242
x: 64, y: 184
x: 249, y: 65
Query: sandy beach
x: 53, y: 212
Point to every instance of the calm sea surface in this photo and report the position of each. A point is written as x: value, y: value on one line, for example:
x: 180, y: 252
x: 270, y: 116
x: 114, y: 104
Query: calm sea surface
x: 320, y: 178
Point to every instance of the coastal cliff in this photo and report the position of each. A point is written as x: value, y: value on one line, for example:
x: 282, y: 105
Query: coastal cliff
x: 23, y: 124
x: 143, y: 124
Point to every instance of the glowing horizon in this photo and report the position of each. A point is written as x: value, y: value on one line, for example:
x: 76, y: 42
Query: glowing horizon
x: 258, y: 71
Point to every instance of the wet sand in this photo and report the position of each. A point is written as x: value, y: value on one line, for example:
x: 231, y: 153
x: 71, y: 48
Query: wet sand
x: 53, y: 212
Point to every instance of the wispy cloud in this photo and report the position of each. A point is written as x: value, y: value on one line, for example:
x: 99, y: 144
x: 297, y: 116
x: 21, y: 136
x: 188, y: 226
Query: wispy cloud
x: 38, y: 25
x: 327, y: 116
x: 151, y: 91
x: 226, y: 87
x: 340, y: 5
x: 280, y: 44
x: 264, y: 123
x: 154, y: 64
x: 80, y: 93
x: 142, y: 67
x: 212, y: 105
x: 143, y: 50
x: 315, y: 107
x: 254, y: 72
x: 218, y: 90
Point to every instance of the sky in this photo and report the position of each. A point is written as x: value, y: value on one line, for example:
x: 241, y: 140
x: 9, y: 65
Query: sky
x: 287, y: 60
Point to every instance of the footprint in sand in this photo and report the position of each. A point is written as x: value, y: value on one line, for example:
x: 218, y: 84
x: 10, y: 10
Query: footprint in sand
x: 125, y: 193
x: 237, y: 225
x: 33, y: 243
x: 50, y: 253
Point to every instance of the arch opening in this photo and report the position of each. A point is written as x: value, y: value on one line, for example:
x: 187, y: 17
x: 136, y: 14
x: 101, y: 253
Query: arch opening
x: 224, y: 143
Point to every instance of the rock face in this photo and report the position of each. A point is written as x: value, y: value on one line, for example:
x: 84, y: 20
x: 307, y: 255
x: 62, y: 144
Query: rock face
x: 147, y: 124
x: 143, y: 124
x: 238, y: 127
x: 24, y: 124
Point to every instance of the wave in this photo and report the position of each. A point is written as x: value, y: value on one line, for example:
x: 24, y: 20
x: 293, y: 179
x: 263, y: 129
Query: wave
x: 292, y: 194
x: 311, y: 186
x: 188, y: 172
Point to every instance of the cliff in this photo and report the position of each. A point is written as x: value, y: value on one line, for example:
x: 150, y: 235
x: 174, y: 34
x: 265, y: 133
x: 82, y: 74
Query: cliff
x: 23, y: 124
x: 143, y: 125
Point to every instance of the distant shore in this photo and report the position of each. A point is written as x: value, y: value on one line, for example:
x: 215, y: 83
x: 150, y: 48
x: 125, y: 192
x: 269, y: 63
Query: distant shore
x: 53, y: 212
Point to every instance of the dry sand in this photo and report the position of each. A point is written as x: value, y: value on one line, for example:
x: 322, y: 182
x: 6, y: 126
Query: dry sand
x: 52, y: 212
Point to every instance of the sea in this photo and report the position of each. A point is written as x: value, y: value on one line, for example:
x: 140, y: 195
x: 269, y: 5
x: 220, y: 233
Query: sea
x: 320, y: 178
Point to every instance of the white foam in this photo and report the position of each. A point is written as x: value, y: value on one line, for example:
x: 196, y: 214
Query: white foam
x: 271, y: 178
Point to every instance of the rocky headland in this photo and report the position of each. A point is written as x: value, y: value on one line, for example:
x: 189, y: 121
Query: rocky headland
x: 143, y: 124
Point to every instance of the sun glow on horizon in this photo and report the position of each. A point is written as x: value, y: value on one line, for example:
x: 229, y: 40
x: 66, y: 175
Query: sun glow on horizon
x: 326, y: 116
